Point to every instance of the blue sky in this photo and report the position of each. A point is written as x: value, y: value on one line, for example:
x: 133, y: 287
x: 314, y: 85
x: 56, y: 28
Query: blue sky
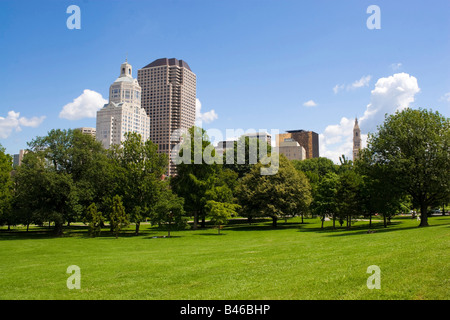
x: 258, y: 62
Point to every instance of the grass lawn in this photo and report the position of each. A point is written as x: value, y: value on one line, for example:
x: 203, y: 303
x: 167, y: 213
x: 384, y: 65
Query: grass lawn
x: 294, y: 261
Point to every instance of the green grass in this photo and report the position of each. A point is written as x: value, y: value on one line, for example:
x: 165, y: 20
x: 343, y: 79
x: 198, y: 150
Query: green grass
x: 294, y: 261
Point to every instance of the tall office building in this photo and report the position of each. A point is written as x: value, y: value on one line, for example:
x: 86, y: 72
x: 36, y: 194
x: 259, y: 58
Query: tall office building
x: 87, y: 130
x: 356, y: 140
x: 168, y: 97
x: 123, y: 113
x: 307, y: 139
x: 17, y: 158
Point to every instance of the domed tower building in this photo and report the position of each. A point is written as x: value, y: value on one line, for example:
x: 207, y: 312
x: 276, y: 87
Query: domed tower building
x: 123, y: 113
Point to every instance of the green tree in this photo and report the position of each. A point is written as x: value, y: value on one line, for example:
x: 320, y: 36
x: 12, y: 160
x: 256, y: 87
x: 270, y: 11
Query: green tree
x: 220, y: 212
x: 325, y: 198
x: 318, y: 166
x: 285, y: 193
x: 139, y: 170
x: 93, y: 171
x: 195, y: 176
x: 118, y: 216
x: 6, y: 189
x: 315, y: 170
x: 95, y: 220
x: 246, y: 153
x: 347, y: 195
x: 376, y: 195
x: 169, y: 211
x: 413, y: 145
x: 81, y: 162
x: 44, y: 194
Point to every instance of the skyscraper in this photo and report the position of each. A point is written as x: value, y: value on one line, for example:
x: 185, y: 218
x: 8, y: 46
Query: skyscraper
x: 168, y: 97
x: 356, y: 140
x: 123, y: 113
x: 307, y: 139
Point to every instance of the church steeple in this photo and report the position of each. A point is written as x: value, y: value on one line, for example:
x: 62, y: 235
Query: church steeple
x: 356, y: 140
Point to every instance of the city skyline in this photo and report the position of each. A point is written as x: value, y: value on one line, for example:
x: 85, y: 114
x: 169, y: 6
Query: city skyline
x: 273, y: 65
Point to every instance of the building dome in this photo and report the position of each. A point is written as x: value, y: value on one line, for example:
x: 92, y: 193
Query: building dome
x: 125, y: 88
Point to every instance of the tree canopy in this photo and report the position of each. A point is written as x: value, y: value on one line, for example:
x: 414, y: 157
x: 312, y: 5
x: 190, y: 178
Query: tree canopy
x: 413, y: 147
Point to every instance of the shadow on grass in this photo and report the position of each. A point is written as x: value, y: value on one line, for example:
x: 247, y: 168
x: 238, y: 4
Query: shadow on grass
x: 268, y: 226
x: 211, y: 234
x: 26, y: 235
x: 161, y: 237
x: 68, y: 232
x: 363, y: 229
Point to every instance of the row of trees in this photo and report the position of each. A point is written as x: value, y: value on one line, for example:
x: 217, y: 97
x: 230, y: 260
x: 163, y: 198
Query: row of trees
x: 405, y: 165
x: 67, y: 176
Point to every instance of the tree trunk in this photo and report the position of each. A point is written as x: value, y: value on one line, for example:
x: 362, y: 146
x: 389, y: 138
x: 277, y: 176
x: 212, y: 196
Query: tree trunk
x: 58, y: 228
x: 370, y: 220
x: 274, y: 222
x: 250, y: 219
x: 384, y: 220
x: 28, y: 226
x: 195, y: 220
x: 334, y: 221
x: 302, y: 217
x: 218, y: 228
x: 323, y: 219
x: 203, y: 222
x: 423, y: 215
x: 138, y: 224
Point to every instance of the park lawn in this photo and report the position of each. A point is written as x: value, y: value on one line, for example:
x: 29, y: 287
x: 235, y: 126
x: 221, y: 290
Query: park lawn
x: 293, y: 261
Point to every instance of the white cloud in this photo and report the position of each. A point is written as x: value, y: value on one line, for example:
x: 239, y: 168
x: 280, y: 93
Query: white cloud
x: 84, y: 106
x: 205, y: 117
x: 363, y: 82
x: 338, y: 88
x: 390, y: 94
x: 446, y: 97
x: 396, y: 66
x: 12, y: 122
x: 310, y: 103
x: 337, y: 140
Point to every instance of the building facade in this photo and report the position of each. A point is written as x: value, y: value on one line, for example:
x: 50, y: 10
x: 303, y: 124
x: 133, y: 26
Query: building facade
x: 224, y: 146
x: 88, y: 131
x: 18, y: 157
x: 307, y: 139
x: 123, y: 113
x: 356, y: 140
x: 292, y: 149
x: 262, y: 136
x: 168, y: 96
